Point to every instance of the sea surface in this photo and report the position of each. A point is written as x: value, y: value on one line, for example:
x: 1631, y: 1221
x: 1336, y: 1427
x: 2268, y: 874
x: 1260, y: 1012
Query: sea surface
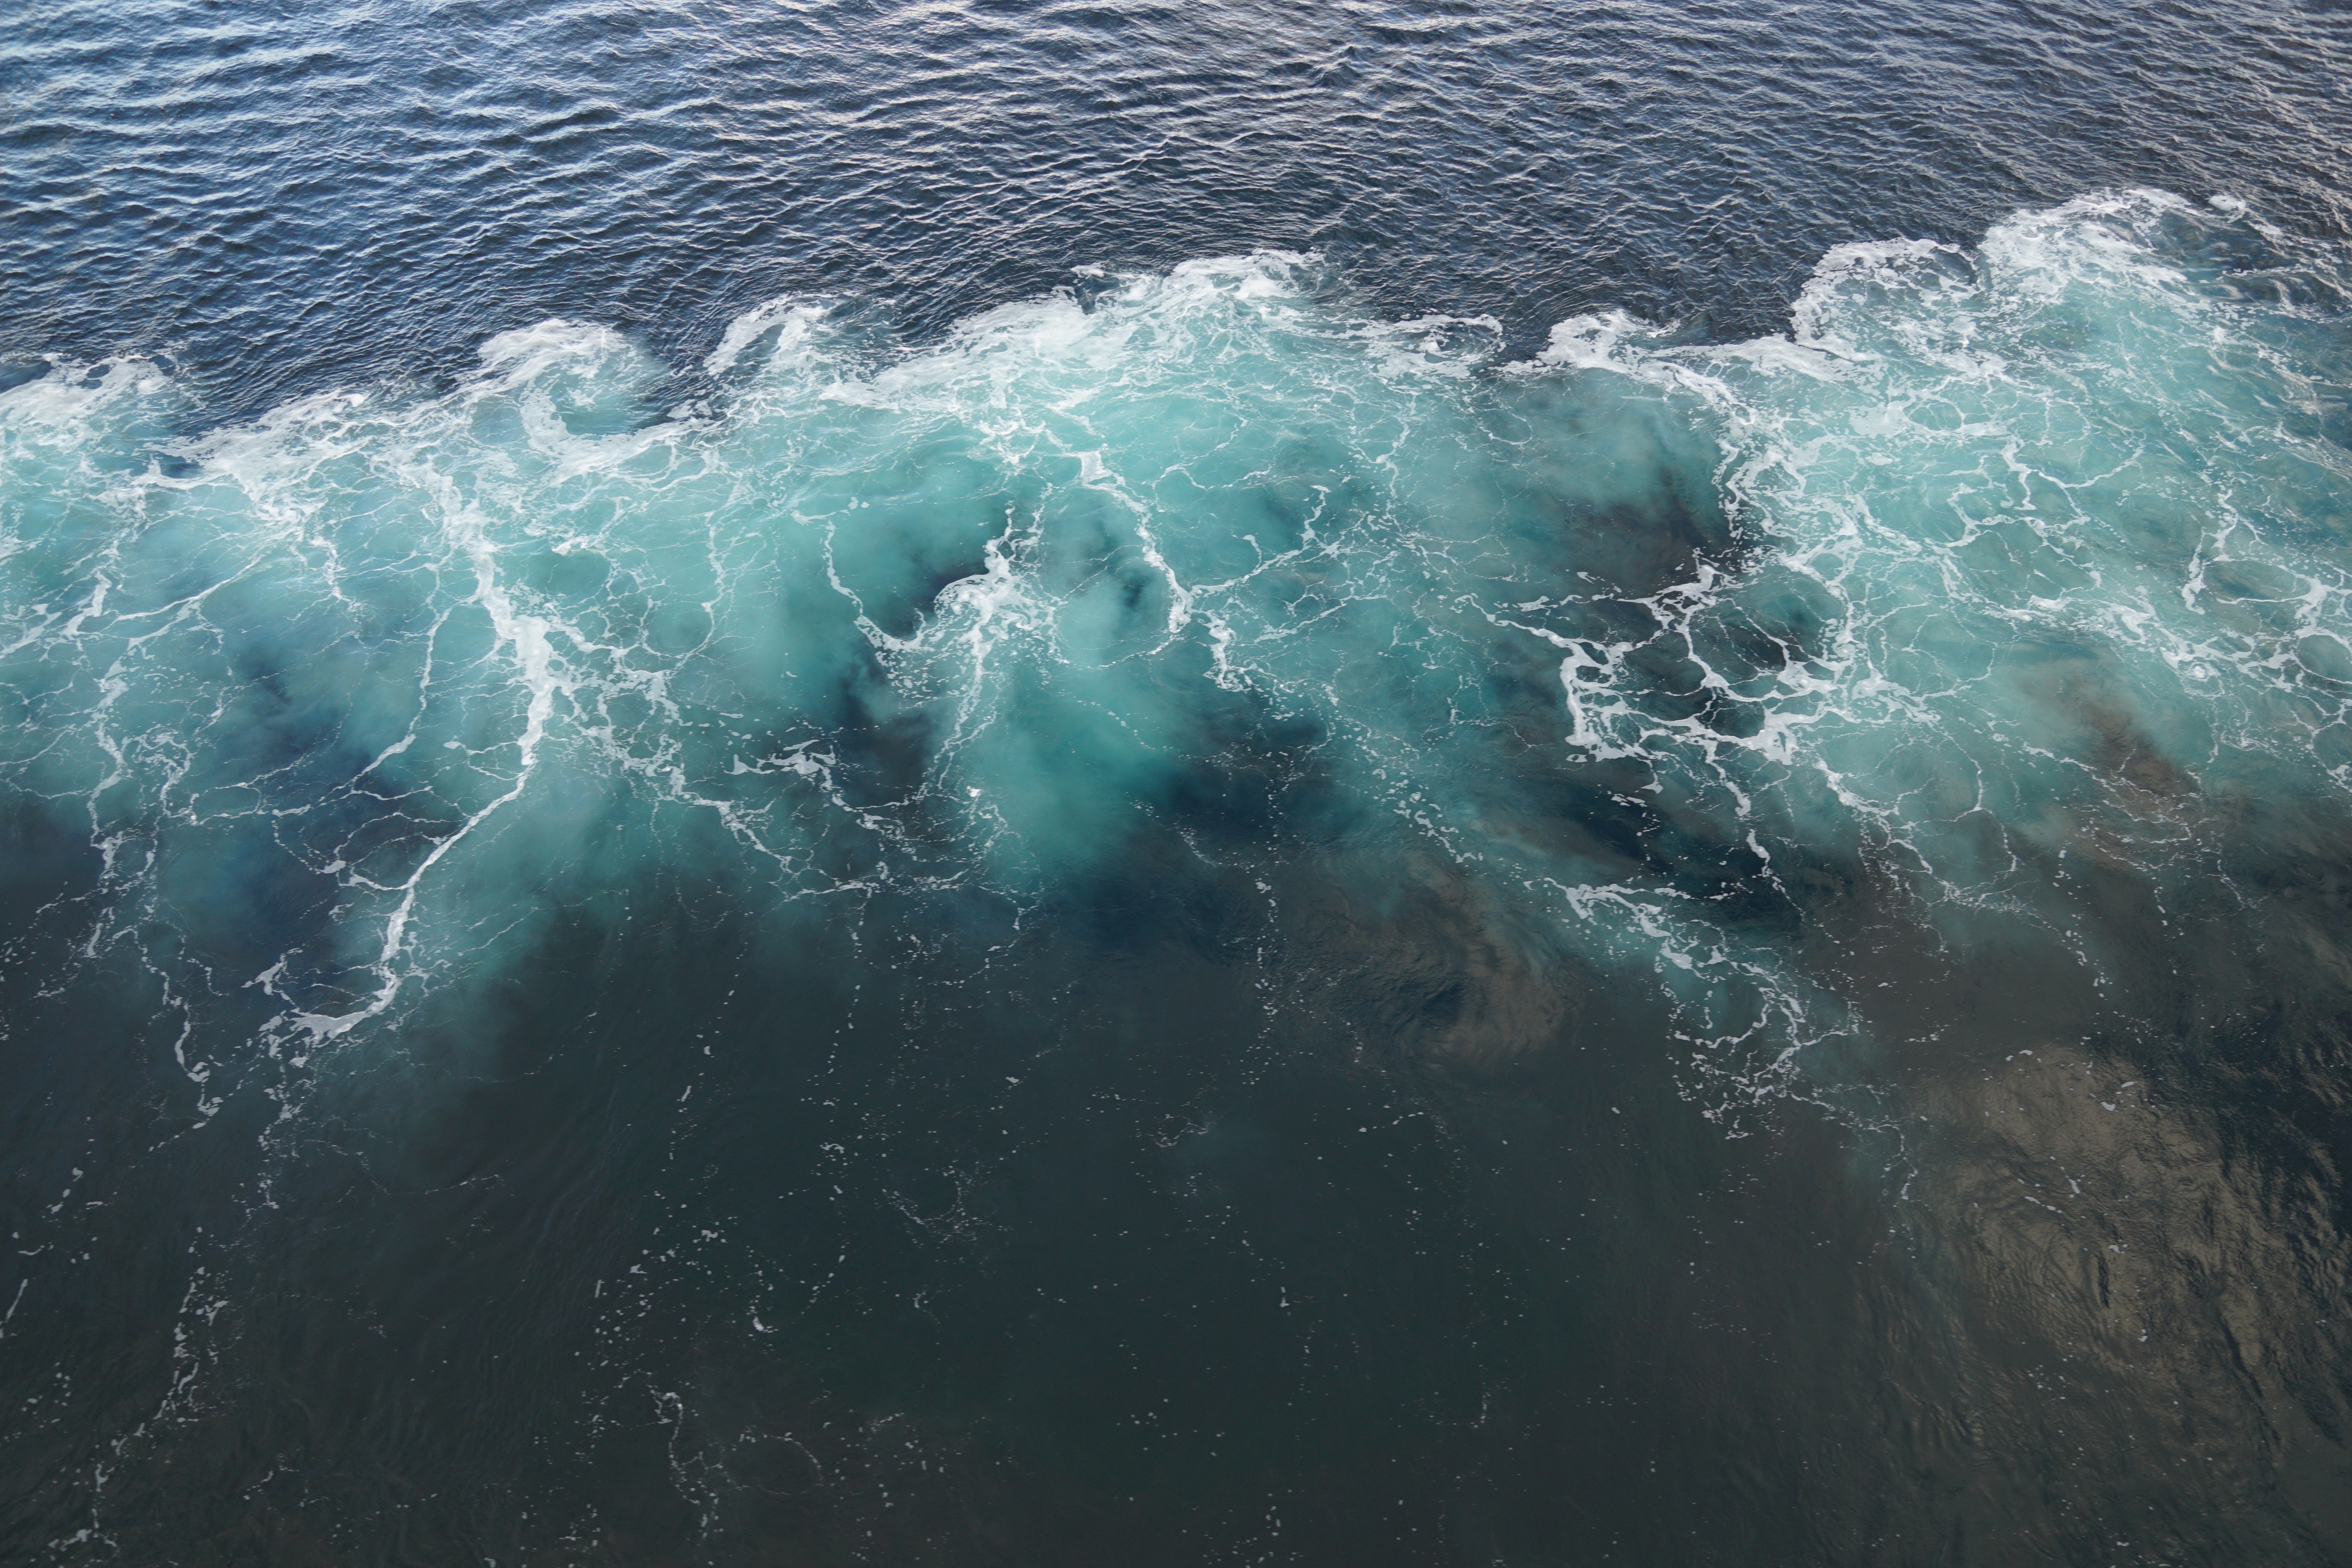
x: 1118, y: 784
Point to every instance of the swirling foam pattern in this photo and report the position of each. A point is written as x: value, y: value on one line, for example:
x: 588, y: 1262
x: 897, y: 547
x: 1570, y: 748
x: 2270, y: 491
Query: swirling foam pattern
x: 1795, y: 733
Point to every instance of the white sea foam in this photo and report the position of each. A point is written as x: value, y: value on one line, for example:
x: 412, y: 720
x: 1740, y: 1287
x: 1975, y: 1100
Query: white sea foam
x: 2034, y: 548
x: 790, y: 318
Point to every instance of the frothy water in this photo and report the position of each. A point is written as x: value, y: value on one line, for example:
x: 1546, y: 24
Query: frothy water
x: 1189, y: 904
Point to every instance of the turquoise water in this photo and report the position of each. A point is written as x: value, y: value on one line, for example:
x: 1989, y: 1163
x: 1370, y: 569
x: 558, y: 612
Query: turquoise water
x: 1902, y: 763
x: 1998, y: 559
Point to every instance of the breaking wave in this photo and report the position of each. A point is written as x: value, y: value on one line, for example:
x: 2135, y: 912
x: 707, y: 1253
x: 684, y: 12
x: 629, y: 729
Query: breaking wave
x: 2001, y: 561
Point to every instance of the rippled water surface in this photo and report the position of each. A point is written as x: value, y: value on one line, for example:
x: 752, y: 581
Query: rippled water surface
x: 1100, y: 785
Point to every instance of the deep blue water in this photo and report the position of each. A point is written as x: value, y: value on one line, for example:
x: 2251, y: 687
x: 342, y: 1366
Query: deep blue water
x: 980, y: 784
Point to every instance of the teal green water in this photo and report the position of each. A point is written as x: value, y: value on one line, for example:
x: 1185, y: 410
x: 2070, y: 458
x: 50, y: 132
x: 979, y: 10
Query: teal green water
x: 1998, y: 559
x: 1816, y: 726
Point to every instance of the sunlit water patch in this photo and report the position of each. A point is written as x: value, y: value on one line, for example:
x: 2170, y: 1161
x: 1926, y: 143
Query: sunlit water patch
x: 831, y: 947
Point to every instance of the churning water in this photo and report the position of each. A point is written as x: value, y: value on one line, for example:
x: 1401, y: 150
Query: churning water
x: 1198, y: 825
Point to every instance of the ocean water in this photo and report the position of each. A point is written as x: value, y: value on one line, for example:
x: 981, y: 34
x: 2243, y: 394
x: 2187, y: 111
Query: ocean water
x: 1090, y: 784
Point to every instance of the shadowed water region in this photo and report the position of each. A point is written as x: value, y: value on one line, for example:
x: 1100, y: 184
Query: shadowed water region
x: 1263, y: 840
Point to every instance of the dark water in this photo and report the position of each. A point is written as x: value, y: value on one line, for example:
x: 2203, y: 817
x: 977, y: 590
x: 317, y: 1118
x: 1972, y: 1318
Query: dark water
x: 971, y: 784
